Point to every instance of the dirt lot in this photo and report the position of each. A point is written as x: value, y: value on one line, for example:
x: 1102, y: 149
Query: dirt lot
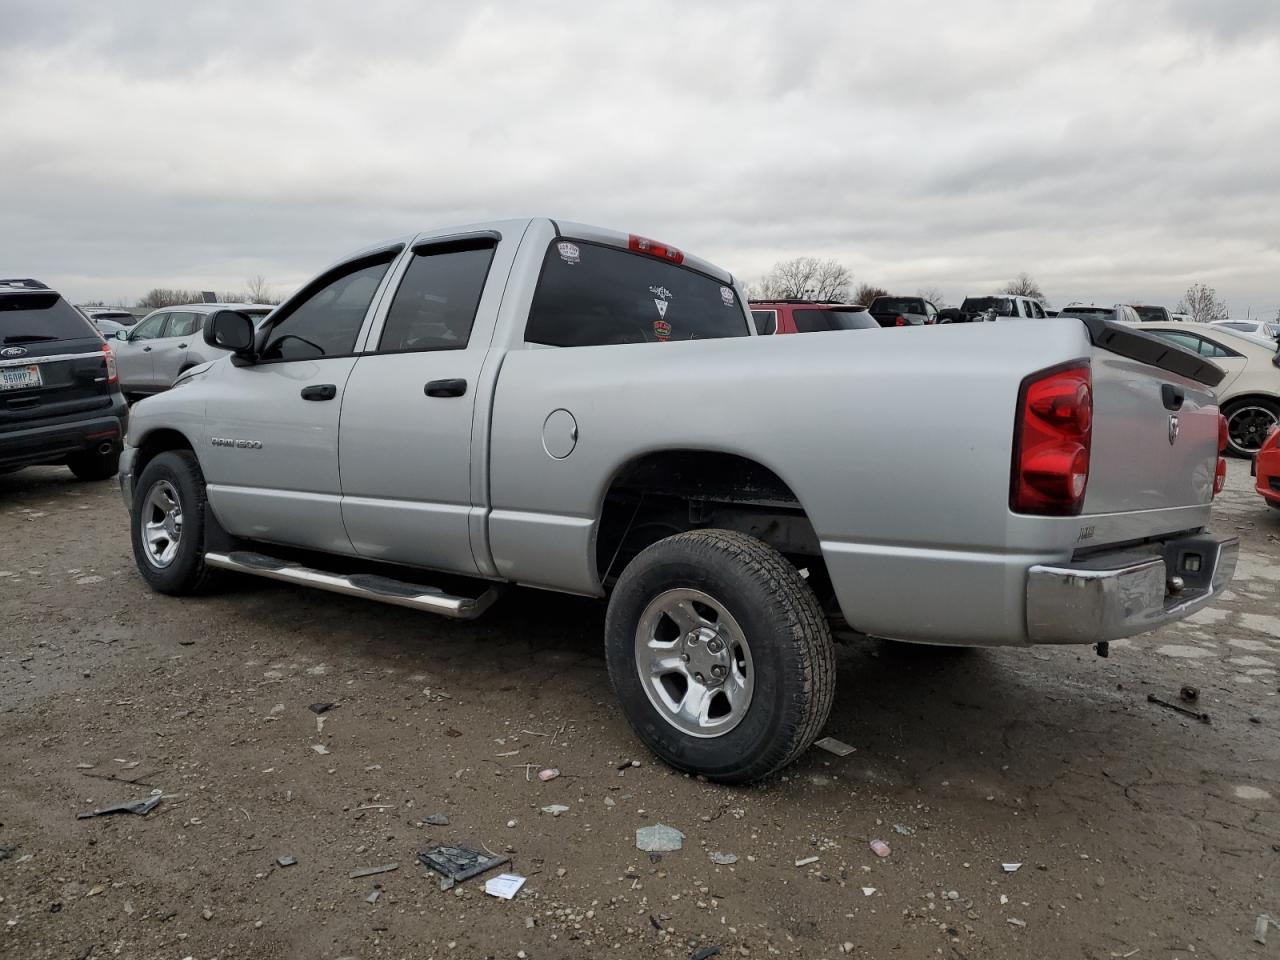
x: 1142, y: 833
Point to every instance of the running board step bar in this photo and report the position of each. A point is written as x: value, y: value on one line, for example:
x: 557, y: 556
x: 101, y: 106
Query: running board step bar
x: 416, y: 596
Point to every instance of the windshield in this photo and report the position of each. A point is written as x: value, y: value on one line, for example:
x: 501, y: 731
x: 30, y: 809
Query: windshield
x: 38, y: 317
x: 1152, y: 313
x: 1003, y: 306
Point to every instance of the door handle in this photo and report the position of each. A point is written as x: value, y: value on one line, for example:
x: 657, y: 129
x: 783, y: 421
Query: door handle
x: 182, y: 346
x: 320, y: 391
x: 446, y: 388
x: 146, y: 349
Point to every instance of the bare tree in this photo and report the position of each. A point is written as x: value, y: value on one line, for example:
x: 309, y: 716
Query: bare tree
x: 1024, y: 285
x: 257, y: 290
x: 1201, y: 303
x: 167, y: 297
x: 934, y: 295
x: 806, y: 278
x: 867, y: 292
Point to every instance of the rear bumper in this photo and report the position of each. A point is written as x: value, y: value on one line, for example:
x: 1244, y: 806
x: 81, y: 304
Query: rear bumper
x: 54, y: 442
x: 1119, y: 595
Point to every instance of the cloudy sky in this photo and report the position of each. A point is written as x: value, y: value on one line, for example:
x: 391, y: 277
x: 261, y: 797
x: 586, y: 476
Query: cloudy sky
x: 1116, y: 150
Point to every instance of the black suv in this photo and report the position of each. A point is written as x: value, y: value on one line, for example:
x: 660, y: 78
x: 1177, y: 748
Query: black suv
x: 60, y: 400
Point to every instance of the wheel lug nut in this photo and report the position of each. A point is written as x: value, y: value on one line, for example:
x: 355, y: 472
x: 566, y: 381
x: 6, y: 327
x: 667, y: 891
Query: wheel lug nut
x: 684, y: 657
x: 699, y: 677
x: 717, y: 670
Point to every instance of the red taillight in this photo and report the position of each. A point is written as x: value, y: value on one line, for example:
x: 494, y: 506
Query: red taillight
x: 1220, y: 471
x: 654, y: 249
x: 899, y: 321
x: 1051, y: 443
x: 112, y: 376
x: 1222, y: 433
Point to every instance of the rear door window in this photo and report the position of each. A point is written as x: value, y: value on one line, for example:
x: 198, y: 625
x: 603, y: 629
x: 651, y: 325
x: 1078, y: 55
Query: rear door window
x: 326, y: 322
x: 40, y: 317
x: 436, y: 302
x: 590, y: 294
x: 182, y: 324
x: 766, y: 322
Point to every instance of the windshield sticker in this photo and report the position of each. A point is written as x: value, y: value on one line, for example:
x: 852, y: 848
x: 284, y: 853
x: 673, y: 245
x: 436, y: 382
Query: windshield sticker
x: 569, y: 252
x: 726, y: 294
x: 661, y: 329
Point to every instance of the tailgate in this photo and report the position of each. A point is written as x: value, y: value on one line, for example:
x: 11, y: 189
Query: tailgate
x: 53, y: 380
x: 1155, y: 426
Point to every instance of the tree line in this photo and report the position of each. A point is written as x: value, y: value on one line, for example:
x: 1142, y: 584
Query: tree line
x: 256, y: 290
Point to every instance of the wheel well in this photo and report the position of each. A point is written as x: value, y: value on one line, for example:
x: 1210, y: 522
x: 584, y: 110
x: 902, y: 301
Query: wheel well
x: 1251, y: 398
x: 662, y: 494
x: 155, y: 443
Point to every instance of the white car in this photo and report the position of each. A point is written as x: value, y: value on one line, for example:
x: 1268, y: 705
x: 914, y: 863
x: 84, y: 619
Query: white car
x: 1259, y: 328
x: 1250, y: 392
x: 1122, y: 312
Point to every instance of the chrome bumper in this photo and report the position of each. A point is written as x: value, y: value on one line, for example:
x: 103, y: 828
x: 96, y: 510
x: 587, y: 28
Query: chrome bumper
x: 1118, y: 595
x: 126, y: 476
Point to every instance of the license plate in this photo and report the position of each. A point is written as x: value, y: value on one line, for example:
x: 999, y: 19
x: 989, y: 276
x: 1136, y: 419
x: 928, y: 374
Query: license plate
x: 20, y: 378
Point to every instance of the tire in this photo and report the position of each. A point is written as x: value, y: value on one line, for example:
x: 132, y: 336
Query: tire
x: 770, y: 640
x: 172, y: 477
x: 1245, y: 414
x: 95, y: 466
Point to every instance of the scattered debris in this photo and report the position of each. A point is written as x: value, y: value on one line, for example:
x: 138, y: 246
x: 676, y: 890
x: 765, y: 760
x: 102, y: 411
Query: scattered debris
x: 1014, y: 921
x: 659, y: 839
x: 286, y: 861
x: 880, y: 848
x: 1189, y: 693
x: 548, y: 774
x: 319, y: 708
x: 373, y: 897
x: 320, y: 748
x: 6, y: 850
x: 436, y: 820
x: 504, y: 886
x: 703, y: 953
x: 868, y: 891
x: 806, y: 861
x: 459, y: 863
x: 555, y: 809
x: 207, y: 913
x: 372, y: 871
x: 1010, y: 867
x: 1260, y: 927
x: 1194, y: 714
x: 96, y: 889
x: 724, y: 859
x: 832, y: 745
x: 903, y: 830
x: 628, y: 763
x: 140, y: 807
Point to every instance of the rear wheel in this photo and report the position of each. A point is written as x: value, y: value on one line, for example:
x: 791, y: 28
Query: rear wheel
x: 720, y: 655
x: 1248, y: 423
x: 167, y: 524
x: 94, y: 465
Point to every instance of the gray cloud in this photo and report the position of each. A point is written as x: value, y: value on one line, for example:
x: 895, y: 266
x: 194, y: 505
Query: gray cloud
x: 1115, y: 150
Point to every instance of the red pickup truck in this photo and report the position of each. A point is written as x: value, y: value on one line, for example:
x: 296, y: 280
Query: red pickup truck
x: 807, y: 316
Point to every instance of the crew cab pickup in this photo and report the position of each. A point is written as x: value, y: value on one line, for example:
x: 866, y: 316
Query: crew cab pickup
x: 570, y: 408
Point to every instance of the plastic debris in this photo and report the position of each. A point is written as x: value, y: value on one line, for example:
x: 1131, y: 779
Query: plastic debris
x: 459, y: 863
x: 320, y: 748
x: 1010, y: 867
x: 903, y: 830
x: 140, y: 807
x: 724, y: 859
x: 880, y: 848
x: 1014, y: 921
x: 703, y: 953
x: 548, y: 774
x: 373, y: 897
x: 372, y: 871
x: 555, y: 809
x: 436, y: 820
x: 1260, y: 927
x: 286, y: 861
x: 318, y: 708
x: 659, y: 839
x: 868, y: 891
x: 1194, y: 714
x: 832, y: 745
x: 1004, y: 900
x: 806, y: 861
x: 504, y: 886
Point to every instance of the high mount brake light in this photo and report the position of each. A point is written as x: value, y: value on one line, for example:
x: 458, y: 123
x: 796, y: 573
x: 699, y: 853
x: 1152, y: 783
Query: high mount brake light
x: 1052, y: 441
x: 653, y: 248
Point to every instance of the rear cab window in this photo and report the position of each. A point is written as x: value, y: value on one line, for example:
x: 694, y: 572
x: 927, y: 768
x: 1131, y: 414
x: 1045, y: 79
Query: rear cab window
x: 590, y: 294
x: 40, y: 316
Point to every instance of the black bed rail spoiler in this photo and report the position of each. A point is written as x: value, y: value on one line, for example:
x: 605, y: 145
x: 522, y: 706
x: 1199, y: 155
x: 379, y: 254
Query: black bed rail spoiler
x: 1143, y: 347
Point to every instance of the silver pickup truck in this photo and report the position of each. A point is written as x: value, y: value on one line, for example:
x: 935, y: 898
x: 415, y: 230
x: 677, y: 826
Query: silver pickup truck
x: 560, y: 406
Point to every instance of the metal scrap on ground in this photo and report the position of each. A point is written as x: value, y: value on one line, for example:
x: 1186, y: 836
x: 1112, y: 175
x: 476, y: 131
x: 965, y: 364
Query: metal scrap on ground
x: 459, y: 863
x: 832, y: 745
x: 1194, y: 714
x: 371, y: 871
x: 140, y: 807
x: 659, y: 839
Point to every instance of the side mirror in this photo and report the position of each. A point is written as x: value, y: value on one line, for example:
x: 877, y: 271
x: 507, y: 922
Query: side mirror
x: 230, y: 330
x: 122, y: 334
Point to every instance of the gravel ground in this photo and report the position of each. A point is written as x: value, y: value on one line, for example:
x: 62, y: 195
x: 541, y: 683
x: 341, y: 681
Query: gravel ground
x: 1141, y: 832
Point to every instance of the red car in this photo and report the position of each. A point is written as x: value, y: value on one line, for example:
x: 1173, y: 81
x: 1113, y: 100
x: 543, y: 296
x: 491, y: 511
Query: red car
x: 1266, y: 468
x: 808, y: 316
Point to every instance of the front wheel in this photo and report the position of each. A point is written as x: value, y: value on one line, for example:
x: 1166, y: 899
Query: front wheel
x: 720, y: 655
x: 1248, y: 423
x: 167, y: 524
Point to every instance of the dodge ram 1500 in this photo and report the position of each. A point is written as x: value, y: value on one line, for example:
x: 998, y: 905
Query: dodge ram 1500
x: 561, y: 406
